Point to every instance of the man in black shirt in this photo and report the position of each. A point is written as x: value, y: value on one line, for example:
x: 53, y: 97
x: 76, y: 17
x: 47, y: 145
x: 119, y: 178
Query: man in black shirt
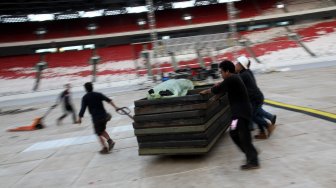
x: 256, y: 99
x: 241, y: 112
x: 65, y: 98
x: 94, y: 101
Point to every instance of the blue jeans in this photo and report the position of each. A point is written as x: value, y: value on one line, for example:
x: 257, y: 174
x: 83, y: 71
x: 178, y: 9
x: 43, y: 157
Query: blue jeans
x: 265, y: 114
x: 259, y: 115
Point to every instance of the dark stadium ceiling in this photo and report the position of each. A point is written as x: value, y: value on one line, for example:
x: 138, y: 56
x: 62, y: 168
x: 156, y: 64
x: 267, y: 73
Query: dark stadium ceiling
x: 22, y: 7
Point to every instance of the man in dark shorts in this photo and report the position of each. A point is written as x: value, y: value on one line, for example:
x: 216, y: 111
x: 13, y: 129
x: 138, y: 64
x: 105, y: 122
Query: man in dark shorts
x: 65, y: 98
x: 241, y: 112
x: 94, y: 101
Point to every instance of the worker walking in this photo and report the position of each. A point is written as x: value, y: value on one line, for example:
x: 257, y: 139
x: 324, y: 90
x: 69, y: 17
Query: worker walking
x: 256, y: 98
x: 65, y: 99
x: 241, y: 112
x: 94, y: 101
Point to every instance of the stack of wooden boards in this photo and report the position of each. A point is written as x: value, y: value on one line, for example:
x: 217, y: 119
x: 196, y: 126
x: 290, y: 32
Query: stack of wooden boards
x: 191, y: 124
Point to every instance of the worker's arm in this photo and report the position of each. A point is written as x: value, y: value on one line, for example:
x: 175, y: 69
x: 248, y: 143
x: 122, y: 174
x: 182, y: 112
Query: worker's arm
x: 109, y: 101
x: 219, y: 88
x: 82, y: 111
x: 204, y: 92
x: 114, y: 106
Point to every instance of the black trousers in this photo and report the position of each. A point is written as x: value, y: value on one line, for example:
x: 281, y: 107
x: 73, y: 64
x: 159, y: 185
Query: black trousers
x: 241, y: 136
x: 67, y: 110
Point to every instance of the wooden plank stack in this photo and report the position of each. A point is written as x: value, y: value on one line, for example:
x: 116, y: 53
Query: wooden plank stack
x: 190, y: 124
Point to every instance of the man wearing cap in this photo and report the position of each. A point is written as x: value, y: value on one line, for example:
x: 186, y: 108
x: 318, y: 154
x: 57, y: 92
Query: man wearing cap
x: 256, y: 99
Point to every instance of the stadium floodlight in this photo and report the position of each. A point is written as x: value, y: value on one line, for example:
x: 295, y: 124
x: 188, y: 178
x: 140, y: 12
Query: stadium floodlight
x: 41, y: 31
x: 165, y: 37
x: 89, y: 46
x: 283, y: 23
x: 141, y: 22
x: 260, y: 26
x: 46, y: 50
x: 184, y: 4
x: 68, y: 48
x: 40, y: 17
x: 91, y: 14
x: 280, y: 5
x: 92, y: 27
x: 187, y: 17
x: 67, y: 16
x: 14, y: 19
x: 138, y: 9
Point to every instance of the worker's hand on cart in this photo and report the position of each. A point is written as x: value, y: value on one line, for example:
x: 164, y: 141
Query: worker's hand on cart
x: 117, y: 109
x: 204, y: 92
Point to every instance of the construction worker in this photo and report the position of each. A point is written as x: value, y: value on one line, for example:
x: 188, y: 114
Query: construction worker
x: 256, y: 99
x: 241, y: 112
x: 65, y: 99
x: 94, y: 101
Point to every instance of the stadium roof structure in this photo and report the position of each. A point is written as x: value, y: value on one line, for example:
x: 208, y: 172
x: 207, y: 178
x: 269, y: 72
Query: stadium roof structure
x: 12, y: 11
x: 22, y: 7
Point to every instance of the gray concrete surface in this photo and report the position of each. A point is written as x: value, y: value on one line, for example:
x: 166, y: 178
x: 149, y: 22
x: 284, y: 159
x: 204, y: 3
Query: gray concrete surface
x: 300, y: 153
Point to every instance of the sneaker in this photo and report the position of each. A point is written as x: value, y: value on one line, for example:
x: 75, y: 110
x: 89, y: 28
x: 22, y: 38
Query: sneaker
x: 104, y: 151
x: 111, y: 144
x: 273, y: 119
x: 249, y: 166
x: 261, y: 135
x: 270, y: 129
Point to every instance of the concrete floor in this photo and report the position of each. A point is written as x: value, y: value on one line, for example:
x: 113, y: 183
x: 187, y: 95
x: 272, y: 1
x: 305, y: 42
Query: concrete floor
x: 300, y: 153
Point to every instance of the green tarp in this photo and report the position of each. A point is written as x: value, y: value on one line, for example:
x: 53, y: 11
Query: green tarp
x: 170, y: 88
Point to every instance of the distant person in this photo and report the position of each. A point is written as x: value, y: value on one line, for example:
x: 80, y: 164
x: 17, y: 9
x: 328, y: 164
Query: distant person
x: 65, y: 99
x: 94, y: 101
x: 256, y: 99
x: 241, y: 112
